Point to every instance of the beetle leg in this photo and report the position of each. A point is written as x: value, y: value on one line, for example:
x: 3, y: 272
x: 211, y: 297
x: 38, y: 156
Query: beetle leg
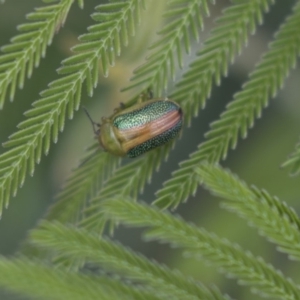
x: 150, y: 93
x: 146, y: 96
x: 122, y: 106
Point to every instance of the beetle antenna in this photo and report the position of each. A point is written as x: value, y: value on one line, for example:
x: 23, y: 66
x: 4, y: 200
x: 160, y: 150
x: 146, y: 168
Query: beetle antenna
x: 94, y: 124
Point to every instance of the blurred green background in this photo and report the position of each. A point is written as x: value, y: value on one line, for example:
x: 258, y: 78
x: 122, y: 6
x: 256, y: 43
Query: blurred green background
x: 257, y: 159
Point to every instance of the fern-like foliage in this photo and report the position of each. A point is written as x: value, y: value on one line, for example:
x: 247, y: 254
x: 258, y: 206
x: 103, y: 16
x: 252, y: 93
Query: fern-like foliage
x: 101, y: 190
x: 186, y: 16
x: 27, y: 48
x: 293, y: 161
x: 138, y: 172
x: 131, y: 178
x: 198, y: 242
x: 66, y: 209
x: 273, y: 218
x: 160, y: 66
x: 82, y: 185
x: 231, y: 32
x: 63, y: 96
x: 43, y: 282
x: 78, y: 244
x: 127, y: 181
x: 264, y: 82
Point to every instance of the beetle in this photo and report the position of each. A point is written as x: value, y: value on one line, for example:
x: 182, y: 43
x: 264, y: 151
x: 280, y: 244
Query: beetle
x: 134, y: 130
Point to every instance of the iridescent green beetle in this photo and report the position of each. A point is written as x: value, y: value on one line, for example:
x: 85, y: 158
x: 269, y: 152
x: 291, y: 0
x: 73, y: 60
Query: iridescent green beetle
x: 139, y: 128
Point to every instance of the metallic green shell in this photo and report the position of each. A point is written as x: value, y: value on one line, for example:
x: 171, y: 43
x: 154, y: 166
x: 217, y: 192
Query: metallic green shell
x: 146, y: 113
x: 155, y: 142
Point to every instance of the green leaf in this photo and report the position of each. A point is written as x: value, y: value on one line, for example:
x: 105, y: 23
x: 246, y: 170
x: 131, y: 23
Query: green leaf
x: 274, y: 219
x: 91, y: 174
x: 127, y: 181
x: 28, y: 47
x: 77, y: 244
x: 181, y: 15
x: 293, y: 162
x: 264, y: 82
x: 66, y: 94
x: 199, y: 243
x: 43, y: 282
